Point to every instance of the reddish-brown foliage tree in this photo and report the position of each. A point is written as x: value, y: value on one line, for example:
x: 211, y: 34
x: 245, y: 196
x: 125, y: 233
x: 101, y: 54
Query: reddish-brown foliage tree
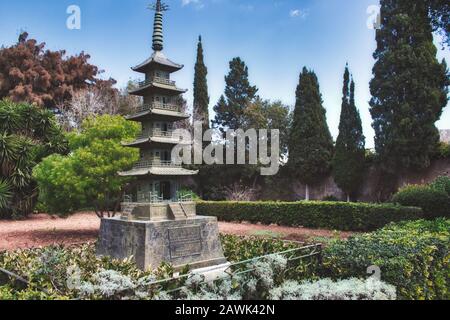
x: 46, y: 78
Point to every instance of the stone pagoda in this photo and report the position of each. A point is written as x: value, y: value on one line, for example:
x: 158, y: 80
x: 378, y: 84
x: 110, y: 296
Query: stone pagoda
x: 158, y: 223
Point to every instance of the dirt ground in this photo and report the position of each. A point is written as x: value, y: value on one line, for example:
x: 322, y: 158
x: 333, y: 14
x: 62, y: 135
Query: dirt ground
x: 42, y: 230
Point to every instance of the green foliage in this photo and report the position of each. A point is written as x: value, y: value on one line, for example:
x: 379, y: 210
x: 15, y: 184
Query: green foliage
x: 440, y: 18
x: 413, y: 256
x: 433, y: 201
x: 238, y: 94
x: 5, y: 194
x: 442, y: 183
x: 201, y: 98
x: 310, y: 143
x: 187, y: 192
x: 348, y: 161
x: 264, y: 114
x: 328, y: 215
x: 58, y: 272
x: 88, y: 177
x: 330, y: 199
x: 443, y: 151
x: 27, y: 135
x: 409, y: 89
x: 244, y: 248
x: 47, y: 270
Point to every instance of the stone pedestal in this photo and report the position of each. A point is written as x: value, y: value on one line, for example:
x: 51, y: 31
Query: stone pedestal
x: 192, y: 241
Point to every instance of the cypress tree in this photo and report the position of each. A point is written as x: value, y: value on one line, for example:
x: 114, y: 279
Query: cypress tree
x: 238, y: 94
x: 348, y: 161
x: 310, y: 143
x: 201, y: 98
x: 409, y: 88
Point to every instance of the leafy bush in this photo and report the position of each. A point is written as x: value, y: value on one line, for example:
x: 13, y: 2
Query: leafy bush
x: 330, y: 198
x: 413, y: 256
x: 442, y: 183
x: 266, y: 279
x: 27, y: 135
x: 326, y: 289
x: 243, y: 248
x: 433, y: 201
x: 329, y: 215
x: 55, y: 272
x: 5, y: 194
x: 87, y: 177
x: 443, y: 151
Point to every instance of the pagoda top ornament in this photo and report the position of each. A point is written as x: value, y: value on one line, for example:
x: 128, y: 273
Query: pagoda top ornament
x: 158, y: 38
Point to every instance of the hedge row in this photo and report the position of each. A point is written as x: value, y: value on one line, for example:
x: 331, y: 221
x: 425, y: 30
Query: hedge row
x: 413, y: 256
x: 327, y: 215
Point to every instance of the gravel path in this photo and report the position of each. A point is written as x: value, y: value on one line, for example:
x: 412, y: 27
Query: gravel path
x: 43, y: 230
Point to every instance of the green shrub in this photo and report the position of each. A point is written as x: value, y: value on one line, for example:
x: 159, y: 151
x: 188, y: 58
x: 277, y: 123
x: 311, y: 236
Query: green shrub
x: 413, y: 256
x: 341, y: 216
x: 330, y: 198
x: 243, y: 248
x: 442, y: 183
x: 443, y: 151
x: 434, y: 202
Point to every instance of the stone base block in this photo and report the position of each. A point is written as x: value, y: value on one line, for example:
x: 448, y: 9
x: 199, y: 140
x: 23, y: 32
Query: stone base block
x: 193, y: 241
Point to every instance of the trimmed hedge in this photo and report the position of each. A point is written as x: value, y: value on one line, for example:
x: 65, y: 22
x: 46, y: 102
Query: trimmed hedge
x: 413, y: 256
x: 341, y: 216
x: 434, y: 201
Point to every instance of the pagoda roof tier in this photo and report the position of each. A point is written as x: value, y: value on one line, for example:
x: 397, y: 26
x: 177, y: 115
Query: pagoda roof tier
x: 158, y: 171
x: 157, y: 85
x: 141, y: 141
x: 157, y: 111
x: 157, y: 61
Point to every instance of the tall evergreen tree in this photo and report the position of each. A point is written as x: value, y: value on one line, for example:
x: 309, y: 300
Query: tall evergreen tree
x: 409, y: 88
x: 201, y: 98
x: 311, y: 144
x: 238, y: 94
x: 348, y: 161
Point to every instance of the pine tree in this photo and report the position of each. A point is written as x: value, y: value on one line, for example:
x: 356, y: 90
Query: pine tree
x: 348, y: 161
x: 409, y: 88
x: 201, y: 98
x: 311, y: 144
x: 238, y: 94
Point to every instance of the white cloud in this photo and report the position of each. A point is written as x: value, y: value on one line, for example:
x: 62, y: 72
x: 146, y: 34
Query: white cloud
x: 198, y: 3
x: 188, y: 2
x: 297, y: 13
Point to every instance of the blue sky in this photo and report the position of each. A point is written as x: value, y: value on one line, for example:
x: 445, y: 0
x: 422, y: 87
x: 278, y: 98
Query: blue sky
x: 276, y: 38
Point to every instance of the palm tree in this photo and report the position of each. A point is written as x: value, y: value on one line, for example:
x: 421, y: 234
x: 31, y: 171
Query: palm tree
x: 5, y: 195
x: 27, y: 135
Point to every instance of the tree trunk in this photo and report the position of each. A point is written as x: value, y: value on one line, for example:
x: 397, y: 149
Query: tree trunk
x: 307, y: 192
x: 348, y: 197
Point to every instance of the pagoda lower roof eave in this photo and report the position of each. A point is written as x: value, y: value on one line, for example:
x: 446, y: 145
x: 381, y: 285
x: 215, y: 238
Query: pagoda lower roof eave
x: 157, y: 140
x: 157, y: 87
x: 158, y: 171
x: 157, y: 112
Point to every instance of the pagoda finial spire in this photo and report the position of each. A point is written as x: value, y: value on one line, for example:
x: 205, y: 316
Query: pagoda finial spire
x: 158, y: 38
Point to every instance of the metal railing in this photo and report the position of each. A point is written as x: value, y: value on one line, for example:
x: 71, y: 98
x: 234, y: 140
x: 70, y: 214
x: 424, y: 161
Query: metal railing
x: 144, y: 164
x: 162, y: 134
x: 160, y: 80
x: 299, y: 260
x: 148, y: 197
x: 151, y: 197
x: 164, y: 81
x: 188, y: 197
x: 158, y: 105
x: 157, y: 133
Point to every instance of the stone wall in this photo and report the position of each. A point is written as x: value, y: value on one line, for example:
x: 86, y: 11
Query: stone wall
x: 445, y: 135
x: 370, y: 190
